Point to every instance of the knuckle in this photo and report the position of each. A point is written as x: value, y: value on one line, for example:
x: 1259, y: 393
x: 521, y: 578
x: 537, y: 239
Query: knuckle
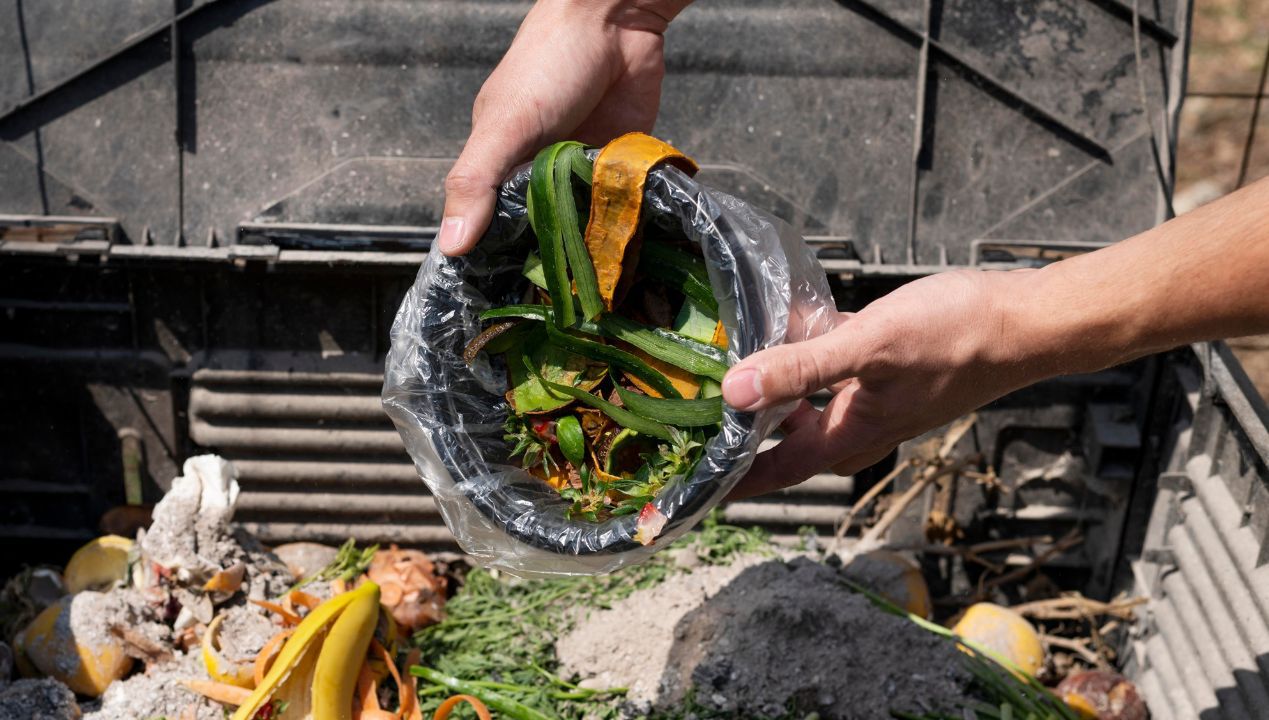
x: 462, y: 182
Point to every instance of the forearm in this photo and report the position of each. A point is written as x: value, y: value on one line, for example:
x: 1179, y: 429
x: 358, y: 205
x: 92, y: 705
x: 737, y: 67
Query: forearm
x: 1202, y: 276
x: 648, y: 15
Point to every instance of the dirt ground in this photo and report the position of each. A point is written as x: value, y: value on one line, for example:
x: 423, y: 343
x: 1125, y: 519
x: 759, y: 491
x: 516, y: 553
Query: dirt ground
x: 759, y: 638
x: 1229, y: 42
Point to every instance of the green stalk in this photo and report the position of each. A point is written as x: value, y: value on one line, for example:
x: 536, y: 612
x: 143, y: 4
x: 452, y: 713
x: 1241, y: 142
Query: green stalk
x: 624, y: 417
x: 503, y: 704
x: 615, y: 357
x: 528, y: 312
x: 682, y: 413
x: 579, y: 261
x: 546, y: 225
x: 665, y: 346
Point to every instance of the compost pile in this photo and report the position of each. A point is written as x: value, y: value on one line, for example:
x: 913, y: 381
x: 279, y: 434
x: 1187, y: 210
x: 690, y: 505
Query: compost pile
x: 194, y: 616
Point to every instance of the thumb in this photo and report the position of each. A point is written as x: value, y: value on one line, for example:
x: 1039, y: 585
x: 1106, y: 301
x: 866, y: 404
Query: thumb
x: 471, y: 187
x: 789, y: 372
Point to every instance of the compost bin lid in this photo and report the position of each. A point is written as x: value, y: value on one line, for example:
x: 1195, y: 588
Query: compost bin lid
x: 900, y: 130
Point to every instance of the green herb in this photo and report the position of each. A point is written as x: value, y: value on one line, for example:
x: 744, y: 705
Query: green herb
x: 499, y: 634
x: 534, y: 450
x: 625, y: 418
x: 349, y: 564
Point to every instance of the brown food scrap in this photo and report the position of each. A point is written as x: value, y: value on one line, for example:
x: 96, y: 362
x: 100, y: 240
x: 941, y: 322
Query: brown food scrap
x: 410, y: 588
x: 619, y: 175
x: 1103, y: 695
x: 479, y: 342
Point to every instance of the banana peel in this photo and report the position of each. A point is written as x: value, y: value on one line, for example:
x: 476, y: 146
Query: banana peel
x: 219, y: 667
x: 316, y: 672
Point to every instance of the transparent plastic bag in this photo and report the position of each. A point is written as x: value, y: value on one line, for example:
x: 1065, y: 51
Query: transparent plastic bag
x: 770, y: 288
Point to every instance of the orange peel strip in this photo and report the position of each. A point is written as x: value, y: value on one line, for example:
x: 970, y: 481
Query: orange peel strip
x: 287, y: 616
x: 378, y: 649
x: 720, y: 337
x: 303, y: 599
x: 685, y: 382
x: 619, y: 175
x: 453, y: 701
x: 410, y: 709
x: 367, y: 691
x: 264, y: 658
x: 220, y: 692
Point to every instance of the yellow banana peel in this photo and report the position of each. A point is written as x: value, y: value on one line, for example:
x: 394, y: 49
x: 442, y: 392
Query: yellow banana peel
x: 316, y: 672
x: 221, y: 668
x: 339, y: 663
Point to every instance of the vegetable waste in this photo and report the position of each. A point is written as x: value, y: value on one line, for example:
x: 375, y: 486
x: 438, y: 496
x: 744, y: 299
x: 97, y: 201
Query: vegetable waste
x: 615, y: 355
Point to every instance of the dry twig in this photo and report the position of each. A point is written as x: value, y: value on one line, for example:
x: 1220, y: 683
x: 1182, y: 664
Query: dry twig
x: 1072, y: 539
x: 1076, y: 606
x: 931, y: 474
x: 1079, y: 647
x: 934, y: 469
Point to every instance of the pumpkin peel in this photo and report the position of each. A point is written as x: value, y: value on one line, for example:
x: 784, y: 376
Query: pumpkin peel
x: 619, y: 176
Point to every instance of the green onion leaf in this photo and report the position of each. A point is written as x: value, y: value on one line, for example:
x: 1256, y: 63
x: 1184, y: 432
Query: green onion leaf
x: 682, y: 413
x: 615, y: 357
x: 545, y: 221
x: 528, y: 312
x: 666, y: 346
x: 579, y: 261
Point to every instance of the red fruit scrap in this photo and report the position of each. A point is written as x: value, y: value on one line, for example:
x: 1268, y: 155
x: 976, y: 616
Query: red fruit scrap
x: 543, y: 428
x: 650, y: 524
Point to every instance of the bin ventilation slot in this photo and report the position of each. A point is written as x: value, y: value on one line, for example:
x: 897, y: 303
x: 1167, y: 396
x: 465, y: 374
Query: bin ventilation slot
x: 319, y: 460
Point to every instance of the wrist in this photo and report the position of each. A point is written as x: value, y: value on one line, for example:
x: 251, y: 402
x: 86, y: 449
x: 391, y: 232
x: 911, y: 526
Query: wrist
x: 1060, y: 320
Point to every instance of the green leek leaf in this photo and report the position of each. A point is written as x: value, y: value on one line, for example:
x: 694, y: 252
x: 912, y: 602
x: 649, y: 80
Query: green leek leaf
x: 682, y: 413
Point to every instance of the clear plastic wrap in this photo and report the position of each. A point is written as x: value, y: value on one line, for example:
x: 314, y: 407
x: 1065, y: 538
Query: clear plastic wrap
x: 770, y: 288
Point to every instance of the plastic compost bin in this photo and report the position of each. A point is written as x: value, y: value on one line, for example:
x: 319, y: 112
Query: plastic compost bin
x: 207, y: 221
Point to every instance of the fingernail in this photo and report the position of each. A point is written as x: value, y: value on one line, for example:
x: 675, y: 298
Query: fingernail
x: 743, y: 388
x: 451, y: 236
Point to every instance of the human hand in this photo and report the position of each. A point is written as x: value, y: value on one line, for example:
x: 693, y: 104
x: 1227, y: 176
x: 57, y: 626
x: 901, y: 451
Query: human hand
x: 923, y: 355
x: 587, y: 71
